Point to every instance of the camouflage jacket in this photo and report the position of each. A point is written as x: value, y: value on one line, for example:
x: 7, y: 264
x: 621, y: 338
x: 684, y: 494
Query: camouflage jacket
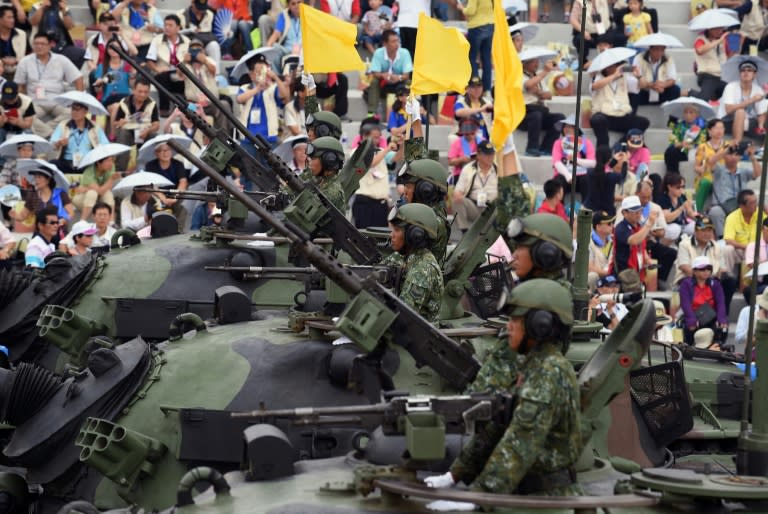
x: 499, y: 371
x: 422, y: 286
x: 512, y: 202
x: 544, y: 435
x: 311, y: 105
x: 415, y: 148
x: 440, y: 247
x: 331, y: 188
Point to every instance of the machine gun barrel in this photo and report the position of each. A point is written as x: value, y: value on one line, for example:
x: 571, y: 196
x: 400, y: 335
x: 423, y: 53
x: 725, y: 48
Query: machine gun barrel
x: 426, y: 344
x: 460, y: 413
x: 222, y: 146
x: 333, y: 223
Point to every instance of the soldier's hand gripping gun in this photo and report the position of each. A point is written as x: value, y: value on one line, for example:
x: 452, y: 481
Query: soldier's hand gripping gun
x: 310, y: 210
x: 374, y: 310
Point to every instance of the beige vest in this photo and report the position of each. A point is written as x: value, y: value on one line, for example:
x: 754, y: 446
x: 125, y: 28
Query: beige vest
x: 646, y: 69
x: 272, y: 111
x: 164, y: 49
x: 93, y: 135
x: 529, y: 97
x: 146, y: 116
x: 205, y: 25
x: 610, y: 102
x: 191, y: 92
x: 601, y: 6
x: 712, y: 60
x: 753, y: 24
x: 372, y: 187
x: 144, y: 37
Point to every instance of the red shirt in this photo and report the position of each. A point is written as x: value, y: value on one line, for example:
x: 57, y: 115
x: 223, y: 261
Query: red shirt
x: 240, y: 7
x: 559, y: 210
x: 701, y: 295
x: 325, y: 6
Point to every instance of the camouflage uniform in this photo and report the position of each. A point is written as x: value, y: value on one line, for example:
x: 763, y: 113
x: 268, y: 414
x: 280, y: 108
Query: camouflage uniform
x: 422, y: 286
x: 333, y: 191
x: 416, y: 149
x: 544, y: 435
x: 511, y: 203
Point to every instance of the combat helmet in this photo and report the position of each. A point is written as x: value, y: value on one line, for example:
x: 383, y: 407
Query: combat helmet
x: 430, y: 178
x: 419, y: 222
x: 548, y: 236
x: 547, y: 308
x: 329, y: 151
x: 324, y: 124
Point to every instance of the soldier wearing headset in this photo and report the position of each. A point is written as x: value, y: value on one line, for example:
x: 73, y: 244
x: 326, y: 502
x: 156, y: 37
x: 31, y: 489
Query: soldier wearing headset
x: 326, y: 158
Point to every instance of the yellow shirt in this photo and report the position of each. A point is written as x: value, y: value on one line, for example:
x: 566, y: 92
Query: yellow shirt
x: 703, y: 154
x: 27, y: 5
x: 637, y: 25
x: 737, y: 229
x: 478, y: 13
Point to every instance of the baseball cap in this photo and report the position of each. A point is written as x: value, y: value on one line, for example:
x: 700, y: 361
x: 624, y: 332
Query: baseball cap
x: 602, y: 217
x: 701, y: 262
x: 486, y: 147
x: 475, y: 81
x: 748, y: 65
x: 608, y: 280
x: 83, y: 228
x: 10, y: 90
x: 467, y: 126
x: 631, y: 203
x: 704, y: 222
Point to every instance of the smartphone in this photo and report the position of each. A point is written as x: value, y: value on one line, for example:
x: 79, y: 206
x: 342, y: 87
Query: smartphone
x: 624, y: 147
x: 627, y: 68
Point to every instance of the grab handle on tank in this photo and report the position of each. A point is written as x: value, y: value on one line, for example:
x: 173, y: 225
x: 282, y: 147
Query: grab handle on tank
x: 184, y: 322
x: 200, y: 474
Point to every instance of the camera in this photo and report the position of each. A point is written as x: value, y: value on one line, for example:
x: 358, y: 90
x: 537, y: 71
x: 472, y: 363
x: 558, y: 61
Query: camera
x: 114, y: 28
x: 193, y: 53
x: 623, y: 147
x: 627, y: 68
x: 740, y: 149
x: 108, y: 77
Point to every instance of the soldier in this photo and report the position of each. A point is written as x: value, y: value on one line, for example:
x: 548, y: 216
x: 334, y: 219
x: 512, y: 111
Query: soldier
x: 323, y: 124
x: 543, y: 246
x: 326, y: 158
x: 537, y: 451
x: 414, y: 227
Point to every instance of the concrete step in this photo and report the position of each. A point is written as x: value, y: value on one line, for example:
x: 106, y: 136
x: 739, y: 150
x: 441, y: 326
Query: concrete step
x: 671, y: 11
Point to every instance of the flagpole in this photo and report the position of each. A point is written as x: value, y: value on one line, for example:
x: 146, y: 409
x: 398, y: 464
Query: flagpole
x: 577, y: 121
x: 427, y: 99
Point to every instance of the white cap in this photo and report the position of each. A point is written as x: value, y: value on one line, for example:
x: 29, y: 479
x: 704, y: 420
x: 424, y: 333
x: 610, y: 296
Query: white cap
x: 631, y: 203
x: 702, y: 261
x: 703, y: 338
x: 83, y: 228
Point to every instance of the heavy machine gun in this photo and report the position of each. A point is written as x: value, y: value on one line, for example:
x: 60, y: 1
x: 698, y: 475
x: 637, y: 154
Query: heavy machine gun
x: 310, y: 210
x: 374, y: 310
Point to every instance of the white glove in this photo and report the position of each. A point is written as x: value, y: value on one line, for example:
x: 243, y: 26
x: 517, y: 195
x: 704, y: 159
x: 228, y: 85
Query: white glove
x: 413, y: 108
x: 308, y: 81
x: 449, y: 506
x: 440, y: 481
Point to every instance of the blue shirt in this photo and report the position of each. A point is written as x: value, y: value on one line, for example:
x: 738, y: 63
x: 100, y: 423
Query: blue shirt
x: 118, y: 82
x: 79, y: 143
x: 293, y: 37
x: 257, y: 119
x: 380, y: 63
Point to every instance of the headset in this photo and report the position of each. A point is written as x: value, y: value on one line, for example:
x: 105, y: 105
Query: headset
x: 321, y: 129
x: 547, y: 256
x: 426, y: 192
x: 416, y: 237
x: 331, y: 160
x: 543, y: 325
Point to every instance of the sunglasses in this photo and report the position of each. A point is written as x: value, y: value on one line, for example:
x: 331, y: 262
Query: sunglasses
x: 51, y: 222
x: 707, y: 268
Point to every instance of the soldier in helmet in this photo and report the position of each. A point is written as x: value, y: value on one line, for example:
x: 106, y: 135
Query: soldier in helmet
x: 323, y: 124
x: 326, y: 158
x: 543, y: 246
x: 414, y: 228
x: 537, y: 451
x: 426, y: 182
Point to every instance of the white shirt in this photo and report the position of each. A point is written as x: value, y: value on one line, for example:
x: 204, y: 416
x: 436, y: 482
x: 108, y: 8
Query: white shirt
x: 408, y: 16
x: 732, y: 95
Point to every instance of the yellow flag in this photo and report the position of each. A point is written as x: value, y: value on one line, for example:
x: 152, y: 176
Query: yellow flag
x: 508, y: 103
x: 442, y: 58
x: 328, y: 42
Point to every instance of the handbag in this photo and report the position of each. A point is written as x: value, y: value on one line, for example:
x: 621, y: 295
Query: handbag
x: 705, y: 315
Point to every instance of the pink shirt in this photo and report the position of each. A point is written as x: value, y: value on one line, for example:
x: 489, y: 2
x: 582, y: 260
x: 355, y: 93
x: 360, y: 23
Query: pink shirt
x: 637, y: 157
x: 558, y: 153
x: 356, y: 141
x: 458, y: 149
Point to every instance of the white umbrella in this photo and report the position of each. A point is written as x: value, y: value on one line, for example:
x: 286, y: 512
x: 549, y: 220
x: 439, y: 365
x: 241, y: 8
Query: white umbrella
x: 80, y: 97
x: 610, y: 57
x: 675, y: 107
x: 25, y: 167
x: 658, y: 39
x: 9, y: 195
x: 147, y: 150
x: 713, y: 19
x: 528, y: 30
x: 241, y: 68
x: 516, y: 5
x: 141, y: 178
x: 285, y: 149
x: 102, y: 152
x: 9, y: 147
x: 536, y: 53
x: 730, y: 69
